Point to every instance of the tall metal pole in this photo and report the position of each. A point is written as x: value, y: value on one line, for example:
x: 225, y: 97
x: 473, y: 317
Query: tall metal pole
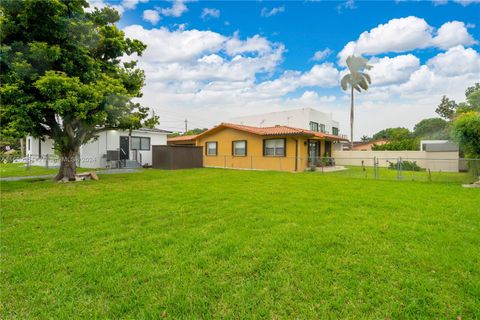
x: 186, y: 126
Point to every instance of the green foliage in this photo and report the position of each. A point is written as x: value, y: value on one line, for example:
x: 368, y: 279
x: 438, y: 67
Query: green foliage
x: 61, y: 73
x: 194, y: 131
x: 432, y: 128
x: 401, y: 144
x: 365, y: 138
x: 406, y: 165
x: 398, y: 139
x: 466, y: 130
x: 447, y: 108
x: 472, y: 103
x: 392, y: 134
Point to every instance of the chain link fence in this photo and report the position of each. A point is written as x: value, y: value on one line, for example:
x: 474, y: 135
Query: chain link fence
x: 458, y: 170
x: 111, y: 160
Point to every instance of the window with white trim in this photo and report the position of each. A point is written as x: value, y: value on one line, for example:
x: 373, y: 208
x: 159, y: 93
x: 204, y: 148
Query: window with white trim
x: 322, y: 128
x: 239, y: 148
x: 274, y: 147
x: 211, y: 148
x: 140, y: 143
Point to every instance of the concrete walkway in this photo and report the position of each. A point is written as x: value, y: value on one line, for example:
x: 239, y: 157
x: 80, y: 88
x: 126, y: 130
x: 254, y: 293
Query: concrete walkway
x: 46, y: 176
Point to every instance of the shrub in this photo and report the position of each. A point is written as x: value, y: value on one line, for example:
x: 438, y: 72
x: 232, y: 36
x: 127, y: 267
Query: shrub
x: 406, y: 165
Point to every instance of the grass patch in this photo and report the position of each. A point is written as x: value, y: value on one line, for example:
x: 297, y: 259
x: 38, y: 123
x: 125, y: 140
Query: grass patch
x: 389, y: 174
x: 20, y: 170
x: 212, y: 243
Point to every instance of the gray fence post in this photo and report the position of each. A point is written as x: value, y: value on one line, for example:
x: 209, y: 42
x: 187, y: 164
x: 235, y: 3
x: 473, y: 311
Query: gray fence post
x: 399, y: 172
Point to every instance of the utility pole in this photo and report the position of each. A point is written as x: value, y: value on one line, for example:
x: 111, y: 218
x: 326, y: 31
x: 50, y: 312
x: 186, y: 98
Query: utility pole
x: 186, y: 126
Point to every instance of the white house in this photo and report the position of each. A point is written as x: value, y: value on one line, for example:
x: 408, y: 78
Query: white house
x: 305, y: 118
x: 113, y: 148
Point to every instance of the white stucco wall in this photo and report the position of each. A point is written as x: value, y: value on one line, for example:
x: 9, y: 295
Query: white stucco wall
x: 298, y: 118
x: 94, y: 153
x: 435, y: 161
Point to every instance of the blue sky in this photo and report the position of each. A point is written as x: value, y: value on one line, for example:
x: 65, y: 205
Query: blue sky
x: 211, y: 60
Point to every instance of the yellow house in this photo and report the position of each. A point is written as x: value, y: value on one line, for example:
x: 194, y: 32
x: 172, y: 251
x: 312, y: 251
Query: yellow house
x: 264, y: 148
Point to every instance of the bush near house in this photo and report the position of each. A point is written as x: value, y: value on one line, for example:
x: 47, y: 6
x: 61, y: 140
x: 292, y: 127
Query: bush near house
x: 406, y: 165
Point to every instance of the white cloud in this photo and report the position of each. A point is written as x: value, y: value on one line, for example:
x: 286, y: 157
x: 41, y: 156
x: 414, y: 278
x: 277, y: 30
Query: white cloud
x: 121, y: 7
x: 165, y: 45
x: 320, y: 75
x: 406, y: 34
x: 132, y: 4
x: 462, y: 2
x: 456, y: 61
x: 321, y: 54
x: 100, y: 4
x: 176, y: 10
x: 451, y: 34
x: 397, y: 35
x: 389, y: 71
x: 466, y: 2
x: 152, y: 16
x: 253, y: 44
x: 349, y: 4
x: 272, y: 12
x: 208, y: 12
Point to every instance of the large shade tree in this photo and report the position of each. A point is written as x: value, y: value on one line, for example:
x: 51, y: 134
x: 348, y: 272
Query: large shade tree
x: 63, y: 77
x: 358, y: 80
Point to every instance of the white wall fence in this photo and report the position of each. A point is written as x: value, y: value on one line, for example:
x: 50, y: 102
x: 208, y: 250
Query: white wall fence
x: 435, y: 161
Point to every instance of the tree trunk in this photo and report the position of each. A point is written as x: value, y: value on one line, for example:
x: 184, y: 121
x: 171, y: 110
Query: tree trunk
x: 22, y: 147
x: 68, y: 166
x: 351, y: 120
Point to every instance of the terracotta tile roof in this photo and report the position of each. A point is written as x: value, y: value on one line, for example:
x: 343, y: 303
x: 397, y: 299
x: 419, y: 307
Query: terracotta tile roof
x: 275, y: 131
x: 183, y: 138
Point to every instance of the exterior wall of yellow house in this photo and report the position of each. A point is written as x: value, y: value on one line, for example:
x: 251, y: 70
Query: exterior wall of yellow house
x: 296, y: 158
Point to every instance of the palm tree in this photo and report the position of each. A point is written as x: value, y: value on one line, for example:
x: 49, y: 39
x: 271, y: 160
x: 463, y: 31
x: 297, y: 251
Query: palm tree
x: 358, y: 80
x: 365, y: 138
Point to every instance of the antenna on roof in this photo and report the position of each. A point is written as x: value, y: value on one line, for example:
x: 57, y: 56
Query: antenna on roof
x: 262, y: 122
x: 288, y: 120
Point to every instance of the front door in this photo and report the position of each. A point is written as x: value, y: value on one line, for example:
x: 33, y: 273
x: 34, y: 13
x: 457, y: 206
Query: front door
x: 124, y: 147
x: 313, y: 151
x: 328, y: 149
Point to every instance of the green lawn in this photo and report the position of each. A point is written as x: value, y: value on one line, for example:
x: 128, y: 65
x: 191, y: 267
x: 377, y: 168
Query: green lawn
x: 20, y: 170
x: 389, y: 174
x: 213, y: 243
